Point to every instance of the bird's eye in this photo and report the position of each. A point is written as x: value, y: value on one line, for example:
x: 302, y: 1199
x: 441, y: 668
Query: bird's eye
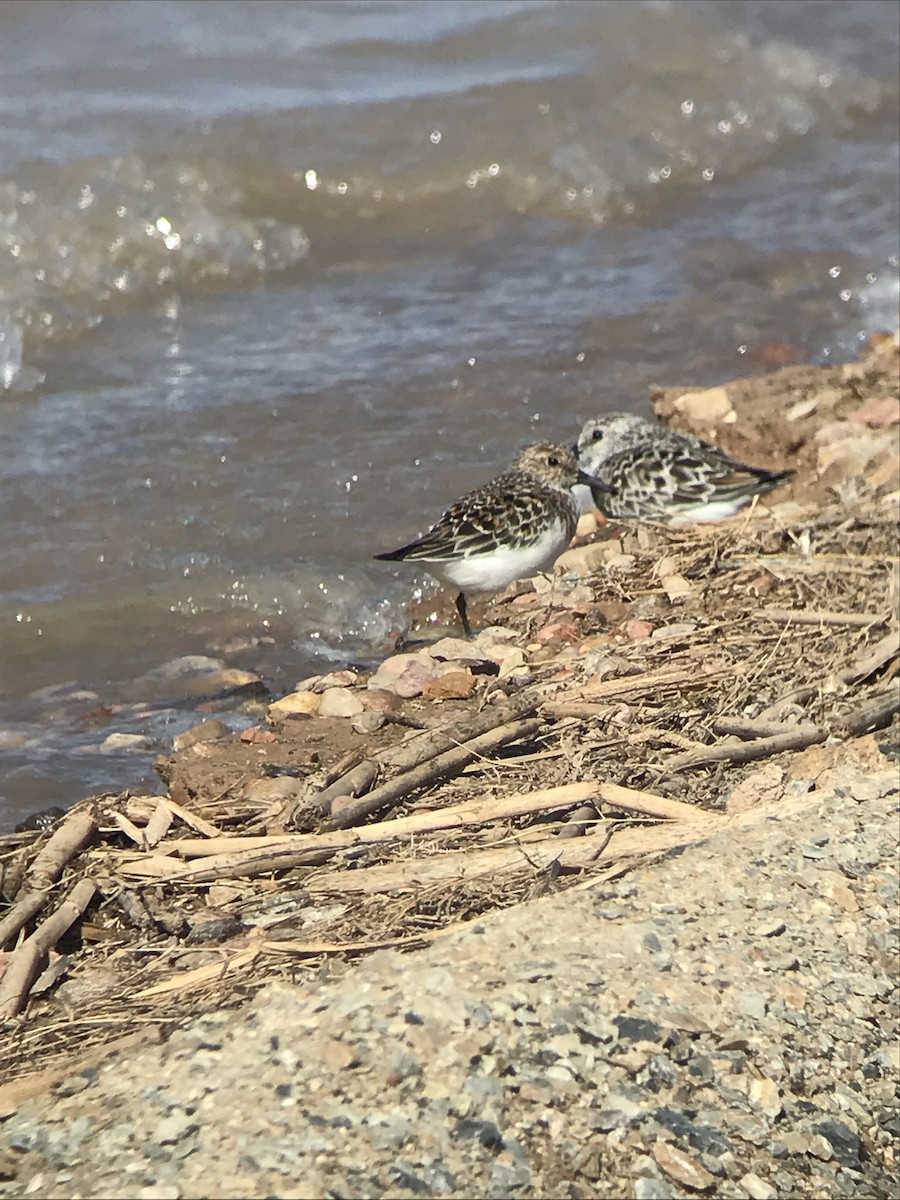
x: 553, y: 461
x: 596, y: 435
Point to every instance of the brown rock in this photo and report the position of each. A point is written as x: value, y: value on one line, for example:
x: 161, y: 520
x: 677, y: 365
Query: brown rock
x: 380, y: 700
x: 338, y: 1055
x: 765, y: 785
x: 879, y: 410
x: 583, y: 560
x: 206, y: 731
x: 257, y: 736
x: 711, y: 406
x: 297, y: 705
x: 334, y: 679
x: 270, y: 791
x: 682, y: 1168
x: 635, y: 630
x: 455, y: 685
x: 558, y: 631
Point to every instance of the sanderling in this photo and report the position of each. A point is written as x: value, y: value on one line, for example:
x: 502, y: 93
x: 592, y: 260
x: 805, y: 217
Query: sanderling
x: 506, y: 529
x: 647, y: 472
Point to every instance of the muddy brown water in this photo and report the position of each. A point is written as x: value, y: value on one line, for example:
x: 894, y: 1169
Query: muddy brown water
x: 278, y: 281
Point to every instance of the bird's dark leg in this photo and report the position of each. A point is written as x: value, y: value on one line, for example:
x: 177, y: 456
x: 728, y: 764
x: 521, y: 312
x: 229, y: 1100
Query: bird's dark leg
x: 461, y: 609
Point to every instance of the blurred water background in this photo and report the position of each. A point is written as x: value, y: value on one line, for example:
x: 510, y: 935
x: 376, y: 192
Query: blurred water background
x: 279, y: 280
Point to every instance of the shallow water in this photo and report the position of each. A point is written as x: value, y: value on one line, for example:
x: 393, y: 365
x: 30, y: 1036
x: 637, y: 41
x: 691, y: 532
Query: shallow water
x: 278, y: 281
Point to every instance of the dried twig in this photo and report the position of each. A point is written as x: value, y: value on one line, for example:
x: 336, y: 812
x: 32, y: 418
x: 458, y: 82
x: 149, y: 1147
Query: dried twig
x: 439, y: 767
x: 25, y: 963
x: 799, y: 616
x: 73, y: 833
x: 797, y: 738
x: 305, y: 849
x: 748, y: 729
x: 421, y: 748
x: 875, y: 713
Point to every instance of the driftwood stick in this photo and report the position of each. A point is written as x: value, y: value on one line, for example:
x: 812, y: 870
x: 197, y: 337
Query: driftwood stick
x: 696, y: 675
x: 799, y: 737
x: 558, y: 710
x: 25, y: 963
x: 451, y: 762
x: 875, y: 713
x: 460, y: 867
x: 356, y: 782
x: 75, y: 831
x: 747, y: 729
x: 647, y: 804
x: 799, y: 616
x: 305, y: 849
x: 423, y: 747
x: 23, y: 911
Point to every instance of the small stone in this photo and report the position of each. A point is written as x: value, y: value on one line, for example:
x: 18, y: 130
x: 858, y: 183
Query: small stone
x: 368, y: 723
x: 206, y: 731
x: 340, y: 702
x: 756, y: 1188
x: 751, y: 1003
x: 635, y: 630
x: 819, y: 1147
x: 678, y: 629
x: 842, y: 896
x: 648, y: 1188
x: 173, y: 1127
x: 335, y: 679
x: 381, y: 701
x: 116, y: 743
x: 455, y: 685
x: 583, y: 561
x: 486, y: 1132
x: 269, y: 791
x: 764, y: 1094
x: 257, y: 736
x: 295, y: 705
x: 711, y: 406
x: 339, y: 1055
x: 682, y: 1168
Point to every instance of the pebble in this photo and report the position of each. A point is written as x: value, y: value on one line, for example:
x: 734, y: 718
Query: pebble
x: 368, y: 723
x: 295, y: 704
x: 116, y: 743
x: 756, y: 1188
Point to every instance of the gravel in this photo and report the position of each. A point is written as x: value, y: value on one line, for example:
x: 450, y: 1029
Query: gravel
x: 722, y: 1022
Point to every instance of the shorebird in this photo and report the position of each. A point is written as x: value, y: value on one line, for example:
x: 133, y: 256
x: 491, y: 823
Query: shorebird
x: 509, y: 528
x: 643, y: 471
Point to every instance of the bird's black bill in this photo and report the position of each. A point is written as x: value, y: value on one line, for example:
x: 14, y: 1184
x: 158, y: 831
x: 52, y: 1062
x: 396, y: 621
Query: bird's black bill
x: 595, y: 484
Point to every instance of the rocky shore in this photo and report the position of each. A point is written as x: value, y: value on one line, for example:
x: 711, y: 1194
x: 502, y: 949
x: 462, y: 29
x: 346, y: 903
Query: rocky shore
x: 621, y: 872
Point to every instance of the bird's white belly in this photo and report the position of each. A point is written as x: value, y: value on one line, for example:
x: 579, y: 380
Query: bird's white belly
x: 494, y: 571
x: 710, y: 510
